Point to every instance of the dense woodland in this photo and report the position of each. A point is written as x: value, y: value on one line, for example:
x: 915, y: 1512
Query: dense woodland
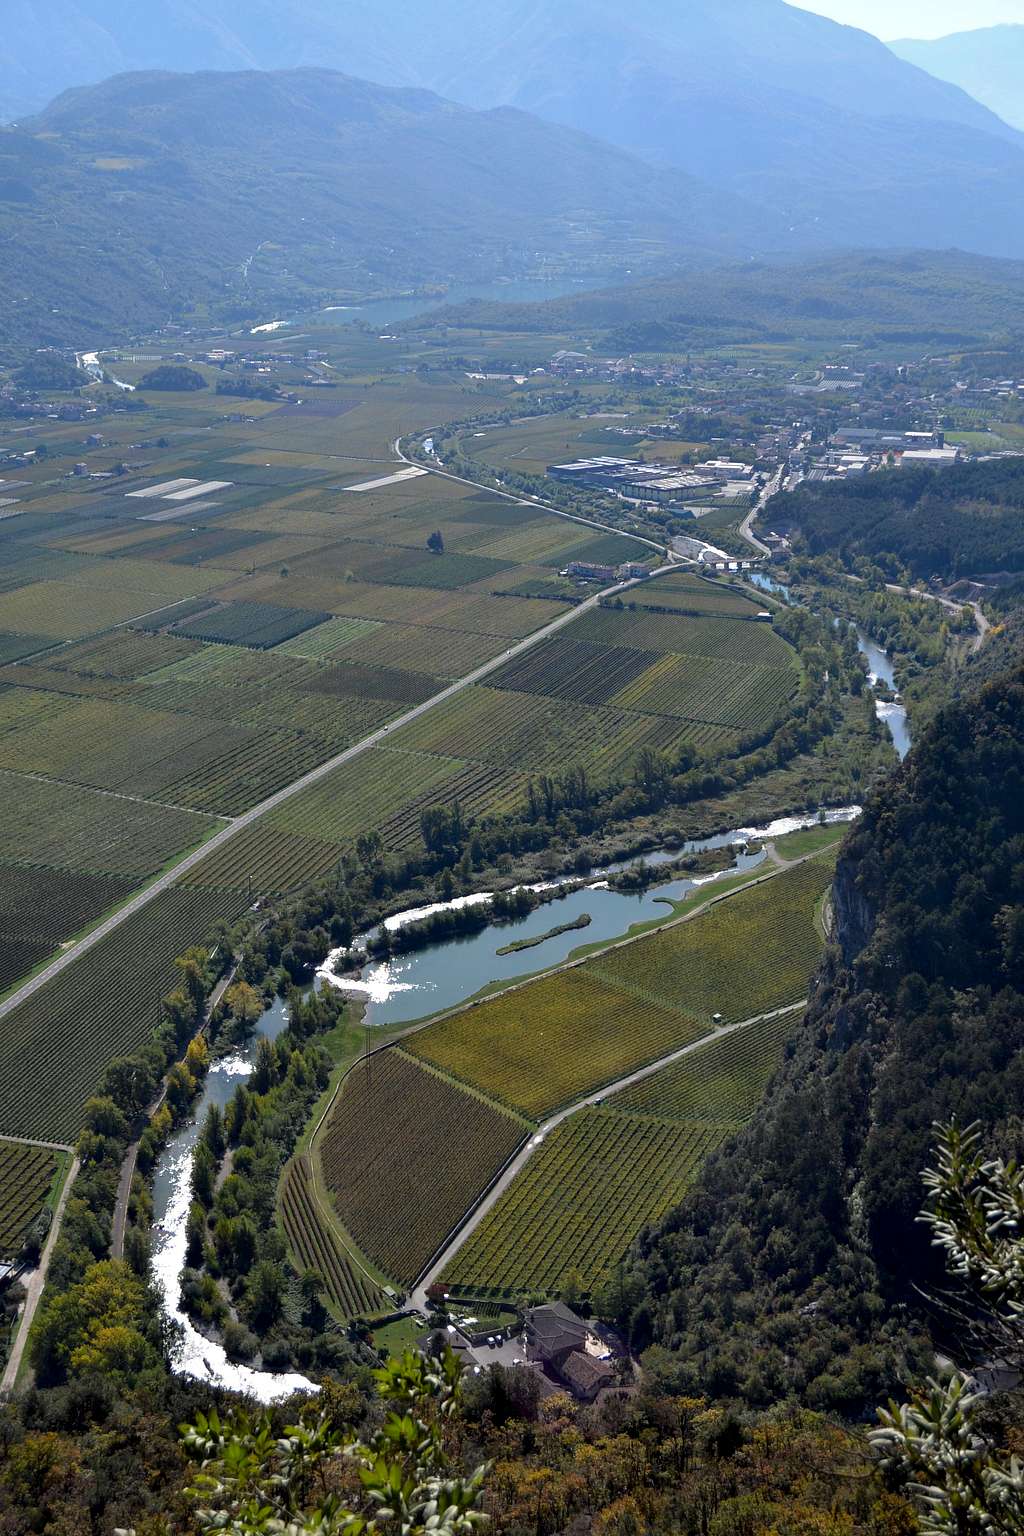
x: 796, y: 1268
x: 904, y: 297
x: 963, y: 521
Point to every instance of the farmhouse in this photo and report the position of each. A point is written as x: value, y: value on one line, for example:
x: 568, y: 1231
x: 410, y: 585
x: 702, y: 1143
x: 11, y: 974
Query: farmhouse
x: 569, y: 1351
x: 585, y: 1375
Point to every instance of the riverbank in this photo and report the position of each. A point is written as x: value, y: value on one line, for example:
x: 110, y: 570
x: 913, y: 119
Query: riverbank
x: 402, y: 990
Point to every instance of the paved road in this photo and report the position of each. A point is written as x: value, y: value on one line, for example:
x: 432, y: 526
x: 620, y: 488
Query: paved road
x: 525, y: 501
x: 981, y: 622
x: 418, y: 1297
x: 774, y: 485
x: 34, y: 1288
x: 166, y: 881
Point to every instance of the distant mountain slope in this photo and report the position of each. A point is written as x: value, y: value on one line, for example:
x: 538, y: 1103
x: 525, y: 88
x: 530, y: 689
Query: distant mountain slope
x: 943, y: 298
x: 989, y: 63
x: 819, y: 122
x: 127, y: 200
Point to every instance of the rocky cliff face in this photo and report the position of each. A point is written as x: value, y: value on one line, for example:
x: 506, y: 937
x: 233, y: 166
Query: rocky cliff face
x: 853, y: 915
x: 796, y: 1264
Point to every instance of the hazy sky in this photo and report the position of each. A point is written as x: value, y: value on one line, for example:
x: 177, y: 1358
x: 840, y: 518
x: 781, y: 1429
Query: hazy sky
x: 917, y: 18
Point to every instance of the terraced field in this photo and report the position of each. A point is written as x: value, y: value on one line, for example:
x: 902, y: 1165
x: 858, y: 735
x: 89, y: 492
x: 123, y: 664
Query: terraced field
x: 26, y: 1174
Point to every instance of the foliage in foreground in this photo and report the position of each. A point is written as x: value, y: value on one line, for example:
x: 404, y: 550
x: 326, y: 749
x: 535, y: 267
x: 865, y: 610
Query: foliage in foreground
x: 252, y: 1481
x: 961, y: 1482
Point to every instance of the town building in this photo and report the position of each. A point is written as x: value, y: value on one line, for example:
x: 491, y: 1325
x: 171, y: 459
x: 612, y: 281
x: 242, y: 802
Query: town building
x: 930, y: 458
x: 726, y: 469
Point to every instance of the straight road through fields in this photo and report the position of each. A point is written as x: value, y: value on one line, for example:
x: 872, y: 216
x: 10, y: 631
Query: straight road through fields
x: 418, y: 1297
x: 172, y: 876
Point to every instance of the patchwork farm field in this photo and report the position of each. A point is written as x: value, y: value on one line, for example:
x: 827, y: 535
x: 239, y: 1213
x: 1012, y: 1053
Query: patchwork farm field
x: 607, y: 1170
x: 167, y: 664
x: 404, y: 1152
x: 26, y: 1175
x: 548, y: 1042
x: 604, y: 1174
x: 583, y: 1197
x: 55, y: 1045
x: 204, y: 617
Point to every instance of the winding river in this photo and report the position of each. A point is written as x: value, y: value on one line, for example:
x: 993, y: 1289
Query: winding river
x: 194, y: 1355
x: 892, y: 714
x: 426, y: 981
x: 422, y: 983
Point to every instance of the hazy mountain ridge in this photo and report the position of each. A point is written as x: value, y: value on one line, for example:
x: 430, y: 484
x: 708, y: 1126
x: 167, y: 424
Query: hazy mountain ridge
x: 946, y: 297
x: 819, y: 123
x: 164, y: 185
x: 822, y: 126
x: 989, y: 63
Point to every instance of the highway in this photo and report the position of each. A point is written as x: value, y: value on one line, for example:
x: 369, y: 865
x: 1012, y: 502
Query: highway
x: 282, y: 796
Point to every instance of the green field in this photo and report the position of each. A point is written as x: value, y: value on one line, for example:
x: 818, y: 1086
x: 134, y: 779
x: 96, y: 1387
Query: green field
x: 604, y: 1174
x: 546, y: 1043
x: 55, y: 1045
x: 580, y: 1201
x: 721, y: 1083
x: 350, y: 1292
x: 26, y: 1175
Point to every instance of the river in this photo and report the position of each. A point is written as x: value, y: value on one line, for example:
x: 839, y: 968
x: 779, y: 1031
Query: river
x: 90, y: 363
x: 892, y: 714
x: 440, y: 976
x: 424, y: 982
x: 195, y: 1355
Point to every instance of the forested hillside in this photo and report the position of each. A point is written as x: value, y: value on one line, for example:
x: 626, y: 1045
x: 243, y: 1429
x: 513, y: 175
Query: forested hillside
x: 133, y: 201
x: 943, y: 298
x: 789, y: 1268
x: 964, y: 521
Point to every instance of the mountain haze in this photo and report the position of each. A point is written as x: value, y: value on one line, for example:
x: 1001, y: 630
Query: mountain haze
x: 989, y: 63
x: 819, y: 123
x: 131, y: 199
x: 936, y: 298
